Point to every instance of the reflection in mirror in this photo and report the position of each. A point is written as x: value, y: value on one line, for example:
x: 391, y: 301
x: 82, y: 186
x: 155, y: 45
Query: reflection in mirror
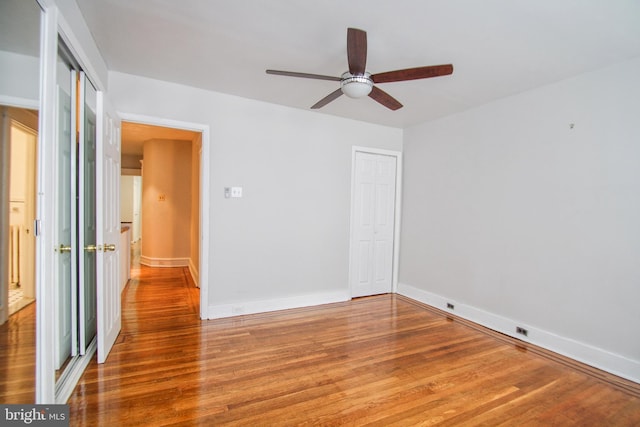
x: 19, y: 97
x: 65, y: 330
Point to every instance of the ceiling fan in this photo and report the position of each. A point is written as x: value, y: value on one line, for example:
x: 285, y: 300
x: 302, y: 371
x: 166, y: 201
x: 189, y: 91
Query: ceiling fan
x: 357, y: 82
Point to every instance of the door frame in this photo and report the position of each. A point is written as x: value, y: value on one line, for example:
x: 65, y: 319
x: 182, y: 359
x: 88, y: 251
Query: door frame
x: 397, y: 211
x: 205, y: 186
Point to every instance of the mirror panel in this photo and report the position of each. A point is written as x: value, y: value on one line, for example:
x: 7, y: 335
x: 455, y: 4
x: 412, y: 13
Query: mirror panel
x: 19, y: 100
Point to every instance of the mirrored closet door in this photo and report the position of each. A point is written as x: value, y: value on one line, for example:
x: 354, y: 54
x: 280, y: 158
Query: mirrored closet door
x: 75, y: 296
x: 20, y: 33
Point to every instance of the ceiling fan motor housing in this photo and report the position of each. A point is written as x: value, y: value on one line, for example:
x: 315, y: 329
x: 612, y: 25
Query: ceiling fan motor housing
x: 356, y: 86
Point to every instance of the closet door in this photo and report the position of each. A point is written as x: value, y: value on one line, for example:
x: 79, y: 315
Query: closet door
x: 374, y: 188
x: 76, y: 307
x: 66, y: 284
x: 87, y: 213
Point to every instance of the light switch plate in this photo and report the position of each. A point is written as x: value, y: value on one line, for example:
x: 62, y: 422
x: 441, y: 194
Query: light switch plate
x: 236, y: 191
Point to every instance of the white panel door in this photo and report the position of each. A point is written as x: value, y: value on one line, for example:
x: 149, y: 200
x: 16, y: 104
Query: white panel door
x: 87, y: 262
x: 373, y: 225
x: 108, y: 226
x: 66, y: 293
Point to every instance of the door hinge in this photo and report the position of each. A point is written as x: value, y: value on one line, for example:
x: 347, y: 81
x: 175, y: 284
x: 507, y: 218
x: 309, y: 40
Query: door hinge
x: 36, y: 227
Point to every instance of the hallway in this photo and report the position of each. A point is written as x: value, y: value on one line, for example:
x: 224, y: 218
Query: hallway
x: 158, y: 300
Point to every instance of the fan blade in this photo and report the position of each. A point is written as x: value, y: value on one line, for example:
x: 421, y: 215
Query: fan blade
x: 304, y: 75
x: 327, y: 99
x: 413, y: 73
x: 357, y: 50
x: 385, y: 99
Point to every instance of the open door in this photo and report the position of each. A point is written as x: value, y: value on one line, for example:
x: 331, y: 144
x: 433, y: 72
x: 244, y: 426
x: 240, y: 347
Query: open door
x: 108, y: 226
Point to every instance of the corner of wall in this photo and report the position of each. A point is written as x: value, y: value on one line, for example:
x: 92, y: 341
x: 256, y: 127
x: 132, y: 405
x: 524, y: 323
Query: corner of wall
x: 195, y: 274
x: 582, y: 352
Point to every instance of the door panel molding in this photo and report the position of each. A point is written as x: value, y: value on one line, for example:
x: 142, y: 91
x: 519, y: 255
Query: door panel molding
x: 109, y: 309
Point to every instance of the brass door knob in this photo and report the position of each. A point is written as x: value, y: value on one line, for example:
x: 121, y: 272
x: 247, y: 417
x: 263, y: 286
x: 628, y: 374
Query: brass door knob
x: 90, y: 248
x: 62, y: 249
x: 109, y: 247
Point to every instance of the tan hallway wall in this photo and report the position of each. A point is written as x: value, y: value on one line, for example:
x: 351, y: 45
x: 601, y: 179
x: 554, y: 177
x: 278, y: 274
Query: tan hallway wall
x: 166, y: 203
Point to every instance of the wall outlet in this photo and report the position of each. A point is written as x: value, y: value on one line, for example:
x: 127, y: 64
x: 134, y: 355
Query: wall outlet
x: 450, y: 306
x: 162, y: 197
x: 522, y: 331
x: 236, y: 191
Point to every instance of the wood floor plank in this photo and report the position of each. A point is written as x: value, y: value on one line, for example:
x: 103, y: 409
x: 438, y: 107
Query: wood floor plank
x: 18, y: 357
x: 382, y: 360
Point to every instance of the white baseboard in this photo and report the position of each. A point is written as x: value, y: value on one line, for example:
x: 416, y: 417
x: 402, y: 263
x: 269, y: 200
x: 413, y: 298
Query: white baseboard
x: 252, y: 307
x: 164, y: 262
x: 585, y: 353
x: 194, y: 273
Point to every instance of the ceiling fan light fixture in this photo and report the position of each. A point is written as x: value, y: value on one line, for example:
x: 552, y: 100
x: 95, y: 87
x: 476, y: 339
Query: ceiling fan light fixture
x: 356, y: 86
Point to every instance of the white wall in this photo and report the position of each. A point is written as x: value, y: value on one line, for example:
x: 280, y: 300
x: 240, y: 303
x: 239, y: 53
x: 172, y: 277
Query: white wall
x: 522, y: 220
x: 126, y: 199
x: 20, y: 78
x: 80, y: 40
x: 287, y: 238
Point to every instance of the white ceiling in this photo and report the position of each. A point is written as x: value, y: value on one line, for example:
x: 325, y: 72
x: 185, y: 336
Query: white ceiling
x: 134, y: 136
x: 498, y: 47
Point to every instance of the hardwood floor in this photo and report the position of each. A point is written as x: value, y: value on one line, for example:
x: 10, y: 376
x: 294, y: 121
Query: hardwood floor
x: 18, y: 357
x: 382, y: 360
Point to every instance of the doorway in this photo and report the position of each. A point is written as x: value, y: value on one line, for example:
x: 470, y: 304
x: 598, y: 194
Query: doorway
x: 375, y: 221
x: 22, y: 191
x: 19, y: 286
x: 20, y: 88
x: 160, y: 194
x: 19, y: 130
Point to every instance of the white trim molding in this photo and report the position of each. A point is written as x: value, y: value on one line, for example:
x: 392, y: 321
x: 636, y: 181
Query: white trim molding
x: 13, y: 101
x: 45, y: 212
x: 581, y: 352
x: 194, y: 273
x: 164, y: 262
x: 253, y: 307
